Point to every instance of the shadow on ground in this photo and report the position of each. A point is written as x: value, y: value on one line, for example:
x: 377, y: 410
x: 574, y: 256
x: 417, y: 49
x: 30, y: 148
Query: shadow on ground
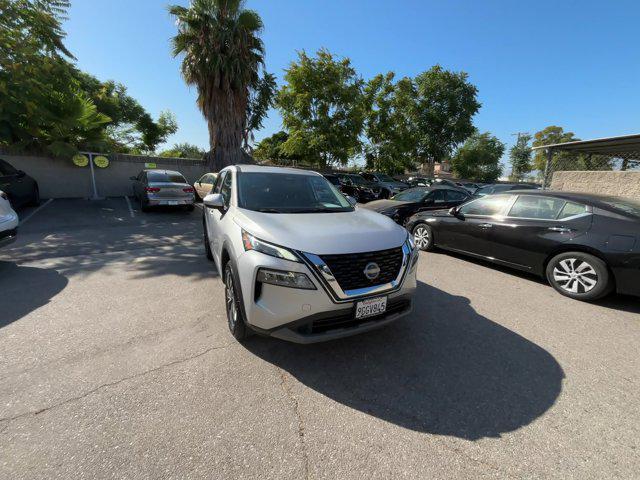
x: 25, y: 289
x: 444, y: 370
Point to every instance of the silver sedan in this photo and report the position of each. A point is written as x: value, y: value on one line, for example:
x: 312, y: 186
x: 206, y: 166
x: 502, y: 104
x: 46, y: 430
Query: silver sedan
x: 162, y: 187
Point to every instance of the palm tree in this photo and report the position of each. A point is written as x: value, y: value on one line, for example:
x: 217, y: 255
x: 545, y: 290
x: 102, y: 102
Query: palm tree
x: 223, y: 58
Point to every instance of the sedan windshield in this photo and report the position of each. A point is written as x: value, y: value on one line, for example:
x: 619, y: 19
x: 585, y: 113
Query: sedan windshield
x: 411, y: 195
x: 289, y: 193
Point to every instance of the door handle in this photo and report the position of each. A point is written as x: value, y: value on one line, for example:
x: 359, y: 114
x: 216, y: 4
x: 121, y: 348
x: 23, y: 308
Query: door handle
x: 560, y: 229
x: 485, y: 225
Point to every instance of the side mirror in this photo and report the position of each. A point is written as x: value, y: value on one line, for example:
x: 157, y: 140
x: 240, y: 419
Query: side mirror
x: 133, y: 178
x: 352, y: 201
x: 455, y: 211
x: 214, y: 200
x: 21, y: 174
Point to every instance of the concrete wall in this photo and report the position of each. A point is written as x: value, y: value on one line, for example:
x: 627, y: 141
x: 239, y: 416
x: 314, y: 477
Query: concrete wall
x: 623, y: 184
x: 62, y: 179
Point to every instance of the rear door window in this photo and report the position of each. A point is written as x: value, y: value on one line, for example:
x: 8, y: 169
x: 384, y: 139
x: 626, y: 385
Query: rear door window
x: 536, y: 207
x: 455, y: 196
x: 437, y: 196
x: 170, y: 177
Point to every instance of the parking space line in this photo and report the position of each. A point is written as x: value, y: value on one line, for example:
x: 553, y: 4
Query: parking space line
x: 130, y: 208
x: 24, y: 220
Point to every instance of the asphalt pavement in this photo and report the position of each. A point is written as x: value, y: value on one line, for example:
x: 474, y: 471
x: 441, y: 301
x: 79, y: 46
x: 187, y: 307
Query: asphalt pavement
x: 116, y: 362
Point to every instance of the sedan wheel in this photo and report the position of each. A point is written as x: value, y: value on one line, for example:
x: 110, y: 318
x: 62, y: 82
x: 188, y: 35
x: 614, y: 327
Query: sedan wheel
x: 579, y: 275
x: 423, y: 237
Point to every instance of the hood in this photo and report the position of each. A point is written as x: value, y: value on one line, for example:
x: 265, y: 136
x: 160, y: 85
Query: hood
x: 324, y: 233
x: 382, y: 205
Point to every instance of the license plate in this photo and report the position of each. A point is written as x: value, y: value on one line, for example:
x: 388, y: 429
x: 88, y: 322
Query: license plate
x: 371, y: 307
x: 172, y: 202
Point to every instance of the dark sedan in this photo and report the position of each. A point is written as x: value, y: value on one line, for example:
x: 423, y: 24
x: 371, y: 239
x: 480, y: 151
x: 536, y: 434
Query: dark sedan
x: 585, y: 245
x: 358, y: 187
x: 19, y: 187
x: 418, y: 199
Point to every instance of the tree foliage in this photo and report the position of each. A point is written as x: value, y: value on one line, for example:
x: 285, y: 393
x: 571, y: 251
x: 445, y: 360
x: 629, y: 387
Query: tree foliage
x: 47, y: 104
x: 479, y: 158
x: 223, y: 56
x: 520, y: 157
x: 270, y: 149
x: 390, y: 127
x: 183, y: 150
x: 549, y: 136
x: 445, y: 105
x: 322, y: 108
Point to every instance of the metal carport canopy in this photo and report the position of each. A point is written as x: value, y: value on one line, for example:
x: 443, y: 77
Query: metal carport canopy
x: 629, y: 144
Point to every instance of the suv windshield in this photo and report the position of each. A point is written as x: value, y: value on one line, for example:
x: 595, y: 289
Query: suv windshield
x: 165, y: 177
x: 289, y: 193
x: 411, y: 195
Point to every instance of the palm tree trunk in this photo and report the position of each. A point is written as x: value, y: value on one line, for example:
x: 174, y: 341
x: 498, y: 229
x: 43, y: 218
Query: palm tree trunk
x: 225, y: 119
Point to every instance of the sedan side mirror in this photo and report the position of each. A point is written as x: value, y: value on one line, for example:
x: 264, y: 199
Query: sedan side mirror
x: 455, y: 211
x: 214, y: 200
x: 352, y: 201
x: 21, y: 174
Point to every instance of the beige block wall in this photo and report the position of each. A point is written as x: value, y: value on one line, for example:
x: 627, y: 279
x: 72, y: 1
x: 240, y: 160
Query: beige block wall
x: 60, y: 178
x: 623, y: 184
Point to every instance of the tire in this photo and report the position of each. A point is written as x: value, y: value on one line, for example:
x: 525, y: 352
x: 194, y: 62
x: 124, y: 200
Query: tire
x: 207, y: 245
x: 579, y: 275
x: 35, y: 198
x: 423, y: 237
x: 235, y: 319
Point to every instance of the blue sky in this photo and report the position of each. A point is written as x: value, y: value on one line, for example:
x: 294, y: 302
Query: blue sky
x: 569, y: 63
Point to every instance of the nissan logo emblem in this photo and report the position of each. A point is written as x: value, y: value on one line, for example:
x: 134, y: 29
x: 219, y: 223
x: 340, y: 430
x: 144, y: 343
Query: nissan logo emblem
x: 372, y: 270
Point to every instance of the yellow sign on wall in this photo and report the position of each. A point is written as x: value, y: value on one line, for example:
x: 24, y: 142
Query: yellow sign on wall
x: 80, y: 160
x: 101, y: 161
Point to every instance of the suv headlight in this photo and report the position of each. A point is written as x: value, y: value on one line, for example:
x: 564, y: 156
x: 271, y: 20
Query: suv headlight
x: 285, y: 279
x: 252, y: 243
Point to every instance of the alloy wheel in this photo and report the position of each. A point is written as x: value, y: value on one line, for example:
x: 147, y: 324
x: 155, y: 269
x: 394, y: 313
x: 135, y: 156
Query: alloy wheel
x: 575, y: 275
x: 421, y: 237
x: 232, y: 311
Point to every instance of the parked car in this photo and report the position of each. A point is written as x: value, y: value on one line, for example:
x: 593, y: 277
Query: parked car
x: 388, y: 186
x: 503, y: 187
x: 162, y: 187
x: 204, y: 184
x: 299, y: 262
x: 585, y: 245
x: 405, y: 204
x: 419, y: 181
x: 359, y: 188
x: 20, y: 188
x: 8, y: 221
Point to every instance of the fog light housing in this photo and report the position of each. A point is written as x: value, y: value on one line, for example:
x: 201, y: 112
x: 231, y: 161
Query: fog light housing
x: 285, y: 279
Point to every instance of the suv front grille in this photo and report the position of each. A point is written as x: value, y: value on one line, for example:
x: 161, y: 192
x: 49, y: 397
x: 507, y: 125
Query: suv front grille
x: 348, y: 269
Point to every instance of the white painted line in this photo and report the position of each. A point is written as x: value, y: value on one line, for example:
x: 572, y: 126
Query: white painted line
x: 129, y: 205
x: 24, y: 220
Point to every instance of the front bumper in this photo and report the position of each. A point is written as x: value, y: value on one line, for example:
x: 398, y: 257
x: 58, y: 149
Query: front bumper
x: 309, y: 316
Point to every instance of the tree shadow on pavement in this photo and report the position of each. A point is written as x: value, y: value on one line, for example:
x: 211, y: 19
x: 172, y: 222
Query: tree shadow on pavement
x: 25, y: 289
x: 444, y: 370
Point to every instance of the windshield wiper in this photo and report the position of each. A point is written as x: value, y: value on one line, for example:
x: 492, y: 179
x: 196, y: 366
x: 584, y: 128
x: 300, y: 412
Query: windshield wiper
x: 268, y: 210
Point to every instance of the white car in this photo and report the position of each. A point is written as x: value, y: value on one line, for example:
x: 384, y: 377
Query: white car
x: 8, y: 221
x: 299, y: 261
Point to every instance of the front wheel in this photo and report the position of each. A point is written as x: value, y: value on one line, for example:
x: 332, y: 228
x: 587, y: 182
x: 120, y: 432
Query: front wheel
x: 579, y: 275
x: 423, y: 237
x: 235, y: 321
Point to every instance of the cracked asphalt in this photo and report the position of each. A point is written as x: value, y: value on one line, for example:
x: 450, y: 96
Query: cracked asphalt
x: 116, y: 362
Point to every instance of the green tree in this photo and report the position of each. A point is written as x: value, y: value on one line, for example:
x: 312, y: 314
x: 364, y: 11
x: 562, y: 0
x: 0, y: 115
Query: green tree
x: 322, y: 108
x: 445, y: 105
x: 479, y: 158
x: 390, y: 127
x: 270, y: 149
x: 549, y: 136
x: 520, y: 157
x: 183, y: 150
x: 222, y: 55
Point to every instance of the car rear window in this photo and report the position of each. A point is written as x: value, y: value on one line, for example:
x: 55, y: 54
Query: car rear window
x: 165, y: 177
x: 625, y: 204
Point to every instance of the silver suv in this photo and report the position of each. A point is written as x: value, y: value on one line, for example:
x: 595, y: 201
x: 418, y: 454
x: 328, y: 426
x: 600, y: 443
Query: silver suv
x: 299, y: 261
